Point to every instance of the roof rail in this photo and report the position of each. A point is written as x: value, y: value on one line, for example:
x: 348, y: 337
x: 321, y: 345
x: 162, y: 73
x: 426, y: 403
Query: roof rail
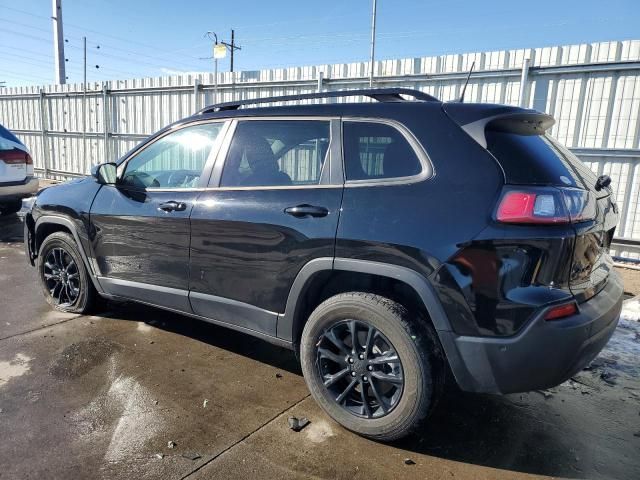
x: 379, y: 94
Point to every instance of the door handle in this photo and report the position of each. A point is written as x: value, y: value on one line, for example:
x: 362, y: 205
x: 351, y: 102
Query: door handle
x: 301, y: 211
x: 172, y: 206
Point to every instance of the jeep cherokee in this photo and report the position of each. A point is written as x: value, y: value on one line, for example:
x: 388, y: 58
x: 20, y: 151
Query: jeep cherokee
x: 388, y: 243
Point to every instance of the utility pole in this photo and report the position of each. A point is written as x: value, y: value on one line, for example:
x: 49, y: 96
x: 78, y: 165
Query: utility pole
x: 373, y: 43
x: 84, y: 102
x: 233, y: 44
x: 232, y: 47
x: 58, y: 42
x: 221, y: 53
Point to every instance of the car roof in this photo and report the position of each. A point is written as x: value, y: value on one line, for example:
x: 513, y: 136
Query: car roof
x: 369, y: 109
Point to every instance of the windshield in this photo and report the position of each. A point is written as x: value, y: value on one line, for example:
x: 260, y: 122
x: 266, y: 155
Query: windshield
x: 8, y: 140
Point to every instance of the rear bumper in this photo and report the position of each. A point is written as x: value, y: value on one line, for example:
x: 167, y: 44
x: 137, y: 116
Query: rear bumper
x: 17, y: 190
x: 544, y: 354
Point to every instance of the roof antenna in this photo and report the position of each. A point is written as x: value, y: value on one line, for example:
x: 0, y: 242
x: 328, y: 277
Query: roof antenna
x: 464, y: 88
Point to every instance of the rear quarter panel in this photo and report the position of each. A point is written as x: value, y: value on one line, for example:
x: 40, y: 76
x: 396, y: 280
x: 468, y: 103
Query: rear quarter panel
x: 423, y: 224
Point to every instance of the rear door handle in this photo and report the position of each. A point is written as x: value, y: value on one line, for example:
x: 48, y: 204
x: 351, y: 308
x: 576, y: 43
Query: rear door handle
x: 172, y: 206
x: 301, y: 211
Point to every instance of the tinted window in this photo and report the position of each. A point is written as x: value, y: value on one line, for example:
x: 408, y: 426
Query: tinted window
x: 276, y: 153
x: 375, y: 151
x: 7, y: 139
x: 175, y: 160
x: 538, y: 159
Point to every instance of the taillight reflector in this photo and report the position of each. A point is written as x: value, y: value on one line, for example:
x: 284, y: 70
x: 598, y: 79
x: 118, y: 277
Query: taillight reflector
x: 529, y: 207
x: 545, y: 205
x: 14, y: 157
x: 561, y: 311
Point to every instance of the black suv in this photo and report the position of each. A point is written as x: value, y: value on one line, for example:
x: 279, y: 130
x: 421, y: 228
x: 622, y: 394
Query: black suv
x: 388, y: 243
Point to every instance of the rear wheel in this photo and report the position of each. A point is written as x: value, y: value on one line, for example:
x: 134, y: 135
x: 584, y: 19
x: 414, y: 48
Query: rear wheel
x: 10, y: 207
x: 373, y: 366
x: 64, y: 278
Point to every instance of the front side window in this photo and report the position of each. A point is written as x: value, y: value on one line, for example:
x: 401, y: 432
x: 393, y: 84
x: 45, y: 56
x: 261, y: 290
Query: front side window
x: 175, y: 160
x: 275, y: 153
x: 376, y: 151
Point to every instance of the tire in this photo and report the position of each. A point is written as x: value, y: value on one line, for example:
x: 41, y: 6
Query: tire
x: 10, y: 207
x: 71, y: 291
x: 421, y: 366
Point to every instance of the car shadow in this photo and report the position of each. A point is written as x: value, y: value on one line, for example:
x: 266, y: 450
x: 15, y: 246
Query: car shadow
x: 501, y: 432
x: 11, y: 229
x: 221, y: 337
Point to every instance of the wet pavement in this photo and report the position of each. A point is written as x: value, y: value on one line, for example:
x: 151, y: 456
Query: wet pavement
x: 107, y: 396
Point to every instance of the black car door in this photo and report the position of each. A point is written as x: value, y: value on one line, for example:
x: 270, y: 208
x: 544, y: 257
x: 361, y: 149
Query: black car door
x: 141, y: 225
x: 273, y: 207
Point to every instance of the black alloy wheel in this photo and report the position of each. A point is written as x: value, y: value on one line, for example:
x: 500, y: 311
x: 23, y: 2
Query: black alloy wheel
x: 361, y: 368
x: 373, y: 365
x: 61, y: 276
x: 64, y: 278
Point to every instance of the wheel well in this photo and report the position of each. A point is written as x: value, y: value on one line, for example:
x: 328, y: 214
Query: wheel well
x: 47, y: 229
x: 329, y: 283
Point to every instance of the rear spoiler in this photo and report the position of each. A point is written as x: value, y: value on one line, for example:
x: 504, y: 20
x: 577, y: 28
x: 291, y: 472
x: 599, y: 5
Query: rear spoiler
x: 475, y: 119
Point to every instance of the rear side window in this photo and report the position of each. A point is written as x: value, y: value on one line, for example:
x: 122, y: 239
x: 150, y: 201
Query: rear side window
x: 376, y: 151
x: 538, y: 159
x: 276, y: 153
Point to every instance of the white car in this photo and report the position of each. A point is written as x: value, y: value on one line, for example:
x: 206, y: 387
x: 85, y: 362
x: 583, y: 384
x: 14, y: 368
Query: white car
x: 16, y: 173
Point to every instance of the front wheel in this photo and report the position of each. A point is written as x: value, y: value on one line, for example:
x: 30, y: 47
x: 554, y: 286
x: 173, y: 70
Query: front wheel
x: 373, y: 366
x: 64, y: 278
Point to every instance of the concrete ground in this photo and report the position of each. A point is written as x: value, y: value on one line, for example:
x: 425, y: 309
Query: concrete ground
x: 102, y: 396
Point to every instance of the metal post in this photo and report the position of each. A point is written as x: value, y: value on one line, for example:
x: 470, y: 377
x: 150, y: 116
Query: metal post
x: 215, y: 80
x: 105, y: 120
x: 320, y: 81
x: 233, y: 45
x: 373, y: 43
x: 58, y: 42
x: 43, y: 134
x: 84, y: 103
x: 196, y: 91
x: 233, y: 75
x: 522, y: 100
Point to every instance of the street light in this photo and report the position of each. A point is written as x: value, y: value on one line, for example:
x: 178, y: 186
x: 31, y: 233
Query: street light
x: 373, y: 43
x: 217, y: 53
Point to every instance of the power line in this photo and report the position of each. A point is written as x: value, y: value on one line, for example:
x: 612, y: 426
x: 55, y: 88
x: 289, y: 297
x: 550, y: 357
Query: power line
x: 101, y: 44
x: 70, y: 45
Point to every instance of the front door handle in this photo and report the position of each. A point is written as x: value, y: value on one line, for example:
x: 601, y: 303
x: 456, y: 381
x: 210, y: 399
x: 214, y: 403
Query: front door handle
x: 172, y: 206
x: 301, y: 211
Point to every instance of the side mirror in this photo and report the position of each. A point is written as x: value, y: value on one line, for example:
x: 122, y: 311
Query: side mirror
x: 105, y: 173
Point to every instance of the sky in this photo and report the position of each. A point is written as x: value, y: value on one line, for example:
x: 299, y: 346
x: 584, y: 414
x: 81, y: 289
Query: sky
x: 145, y: 38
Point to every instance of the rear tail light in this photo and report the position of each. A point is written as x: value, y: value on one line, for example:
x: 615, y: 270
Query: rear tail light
x: 545, y: 205
x: 14, y: 157
x: 561, y: 311
x: 29, y: 160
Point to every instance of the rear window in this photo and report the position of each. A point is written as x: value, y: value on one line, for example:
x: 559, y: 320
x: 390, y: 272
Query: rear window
x: 538, y: 159
x: 7, y: 139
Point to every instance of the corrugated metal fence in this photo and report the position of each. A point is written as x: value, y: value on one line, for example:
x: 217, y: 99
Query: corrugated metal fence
x: 593, y: 91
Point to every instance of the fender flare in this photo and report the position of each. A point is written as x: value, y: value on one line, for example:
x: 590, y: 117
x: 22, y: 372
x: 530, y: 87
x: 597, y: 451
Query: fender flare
x: 418, y: 282
x: 412, y: 278
x: 68, y: 223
